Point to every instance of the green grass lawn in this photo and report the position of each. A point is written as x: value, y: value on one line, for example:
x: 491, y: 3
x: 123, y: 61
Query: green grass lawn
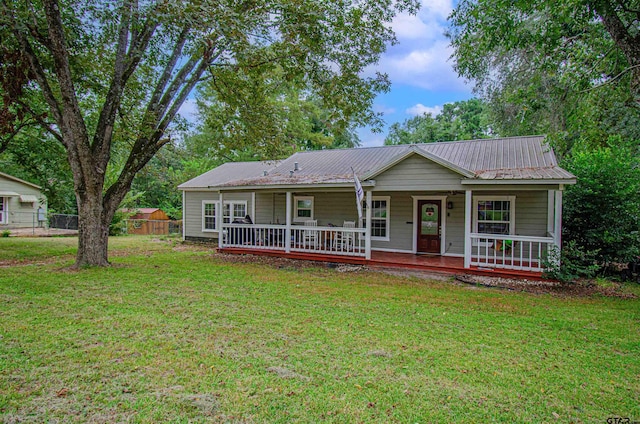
x: 172, y: 333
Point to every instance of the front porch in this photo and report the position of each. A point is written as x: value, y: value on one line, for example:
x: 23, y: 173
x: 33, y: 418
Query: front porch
x: 469, y: 233
x: 439, y: 264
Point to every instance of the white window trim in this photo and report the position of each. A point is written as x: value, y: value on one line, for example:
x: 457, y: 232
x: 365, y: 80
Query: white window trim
x: 231, y: 203
x: 296, y: 218
x: 217, y: 208
x: 388, y: 219
x: 512, y: 210
x: 215, y: 216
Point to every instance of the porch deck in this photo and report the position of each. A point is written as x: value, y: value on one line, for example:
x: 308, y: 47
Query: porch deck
x: 439, y: 264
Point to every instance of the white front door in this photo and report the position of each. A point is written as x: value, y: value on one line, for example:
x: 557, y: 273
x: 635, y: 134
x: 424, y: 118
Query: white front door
x: 3, y: 210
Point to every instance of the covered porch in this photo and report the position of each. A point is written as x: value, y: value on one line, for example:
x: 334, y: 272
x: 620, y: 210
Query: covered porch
x: 481, y: 252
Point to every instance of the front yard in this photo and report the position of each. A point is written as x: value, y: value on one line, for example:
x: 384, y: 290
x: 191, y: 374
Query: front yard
x: 173, y: 332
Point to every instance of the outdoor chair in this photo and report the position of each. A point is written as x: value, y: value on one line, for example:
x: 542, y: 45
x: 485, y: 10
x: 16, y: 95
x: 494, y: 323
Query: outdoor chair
x: 346, y: 240
x: 311, y: 236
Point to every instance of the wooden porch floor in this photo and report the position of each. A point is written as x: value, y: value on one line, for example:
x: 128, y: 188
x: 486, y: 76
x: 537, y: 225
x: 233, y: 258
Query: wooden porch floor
x: 439, y: 264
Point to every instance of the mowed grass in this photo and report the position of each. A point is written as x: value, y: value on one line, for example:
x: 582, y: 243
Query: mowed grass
x: 172, y: 333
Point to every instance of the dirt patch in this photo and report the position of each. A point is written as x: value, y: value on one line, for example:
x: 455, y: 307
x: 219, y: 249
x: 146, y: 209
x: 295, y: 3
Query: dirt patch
x: 274, y: 261
x: 286, y: 373
x: 41, y: 232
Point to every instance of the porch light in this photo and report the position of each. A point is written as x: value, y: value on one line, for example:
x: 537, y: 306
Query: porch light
x: 449, y: 205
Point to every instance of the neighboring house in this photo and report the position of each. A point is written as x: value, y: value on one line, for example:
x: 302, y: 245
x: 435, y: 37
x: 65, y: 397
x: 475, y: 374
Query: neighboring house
x: 22, y: 204
x: 494, y: 203
x: 147, y: 221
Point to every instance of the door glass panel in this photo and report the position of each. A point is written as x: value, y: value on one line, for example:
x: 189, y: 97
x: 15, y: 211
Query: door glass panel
x: 429, y: 216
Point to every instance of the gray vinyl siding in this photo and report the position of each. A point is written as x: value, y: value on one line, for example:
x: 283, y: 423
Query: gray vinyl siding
x: 418, y: 174
x: 336, y: 207
x: 454, y: 243
x: 328, y: 207
x: 531, y: 213
x: 21, y: 214
x: 193, y: 211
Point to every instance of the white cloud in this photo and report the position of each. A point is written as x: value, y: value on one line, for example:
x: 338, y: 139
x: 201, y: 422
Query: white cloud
x: 421, y: 58
x: 426, y: 67
x: 411, y: 27
x: 436, y: 9
x: 421, y: 109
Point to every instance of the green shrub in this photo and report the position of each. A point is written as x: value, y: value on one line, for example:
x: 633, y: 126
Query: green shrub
x: 118, y: 224
x: 6, y: 233
x: 571, y: 264
x: 602, y: 211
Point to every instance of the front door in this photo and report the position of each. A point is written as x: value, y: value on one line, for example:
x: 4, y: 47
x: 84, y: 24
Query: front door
x: 429, y: 226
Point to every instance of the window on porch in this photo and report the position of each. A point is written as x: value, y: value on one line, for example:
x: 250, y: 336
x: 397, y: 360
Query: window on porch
x: 233, y: 210
x: 379, y: 217
x: 303, y: 208
x: 494, y: 215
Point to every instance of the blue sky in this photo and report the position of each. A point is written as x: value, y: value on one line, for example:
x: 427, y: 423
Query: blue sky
x: 421, y: 73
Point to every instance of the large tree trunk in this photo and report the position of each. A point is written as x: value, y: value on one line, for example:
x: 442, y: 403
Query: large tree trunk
x: 93, y: 232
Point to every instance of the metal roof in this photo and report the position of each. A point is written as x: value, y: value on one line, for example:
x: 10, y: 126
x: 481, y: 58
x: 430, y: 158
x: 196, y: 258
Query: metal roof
x: 228, y: 172
x: 513, y: 158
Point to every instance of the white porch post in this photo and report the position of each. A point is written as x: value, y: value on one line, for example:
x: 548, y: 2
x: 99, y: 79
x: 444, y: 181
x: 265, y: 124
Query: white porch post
x: 557, y: 222
x: 287, y: 232
x: 551, y: 197
x: 468, y: 206
x: 219, y: 220
x: 367, y: 233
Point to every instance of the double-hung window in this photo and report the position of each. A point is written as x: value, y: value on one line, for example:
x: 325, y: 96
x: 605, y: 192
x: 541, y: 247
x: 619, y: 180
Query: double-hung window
x: 231, y: 211
x: 234, y: 210
x: 209, y: 213
x: 303, y: 208
x: 380, y: 206
x: 494, y: 215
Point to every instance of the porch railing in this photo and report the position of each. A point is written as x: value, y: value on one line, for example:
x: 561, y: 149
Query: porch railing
x: 509, y: 251
x: 324, y: 240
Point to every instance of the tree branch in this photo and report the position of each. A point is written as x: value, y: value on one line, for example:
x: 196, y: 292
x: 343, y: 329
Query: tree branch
x: 101, y: 145
x: 629, y: 69
x: 41, y: 79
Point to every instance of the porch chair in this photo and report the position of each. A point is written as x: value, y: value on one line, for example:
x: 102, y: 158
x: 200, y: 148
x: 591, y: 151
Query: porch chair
x: 346, y: 240
x: 311, y: 236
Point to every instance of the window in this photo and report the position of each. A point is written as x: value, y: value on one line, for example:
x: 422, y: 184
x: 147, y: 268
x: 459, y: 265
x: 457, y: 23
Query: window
x: 494, y: 215
x: 303, y: 208
x: 379, y: 217
x: 209, y: 209
x: 232, y: 210
x: 3, y: 210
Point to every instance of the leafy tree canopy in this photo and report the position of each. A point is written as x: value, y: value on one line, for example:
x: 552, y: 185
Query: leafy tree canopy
x: 602, y: 212
x: 106, y: 79
x: 463, y: 120
x: 273, y: 117
x: 568, y: 69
